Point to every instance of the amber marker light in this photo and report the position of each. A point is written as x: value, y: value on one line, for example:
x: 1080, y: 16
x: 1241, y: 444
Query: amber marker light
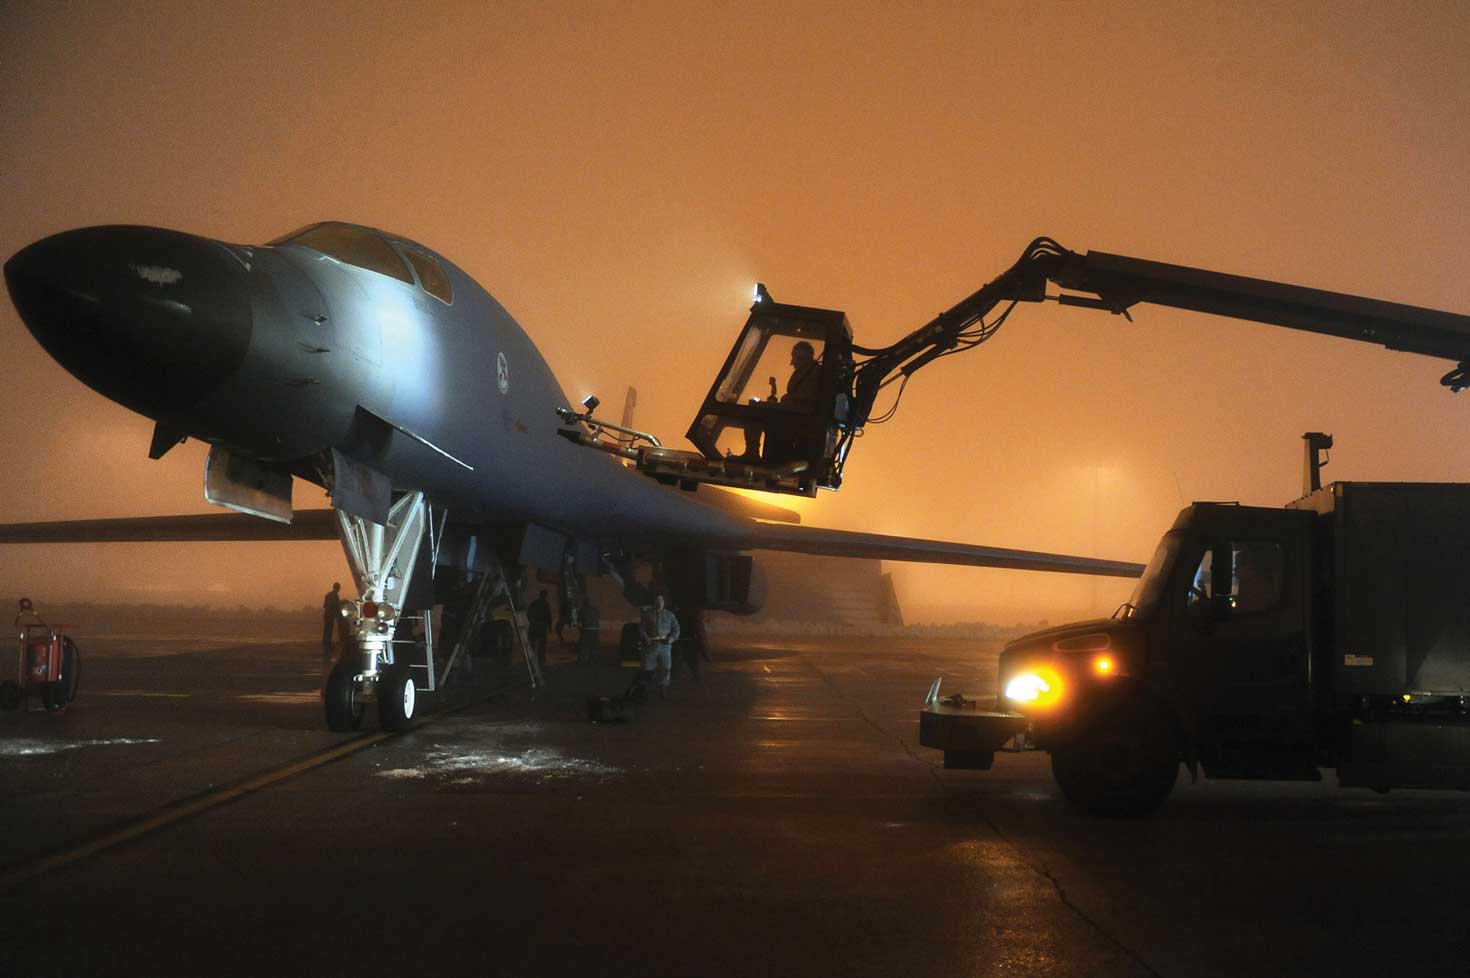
x: 1103, y: 665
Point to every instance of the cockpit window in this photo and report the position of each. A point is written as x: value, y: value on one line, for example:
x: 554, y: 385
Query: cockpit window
x: 431, y: 275
x: 355, y: 246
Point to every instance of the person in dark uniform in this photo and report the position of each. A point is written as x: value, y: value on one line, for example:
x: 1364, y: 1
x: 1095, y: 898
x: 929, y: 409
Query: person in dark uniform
x: 801, y: 386
x: 538, y: 623
x: 784, y: 439
x: 332, y: 616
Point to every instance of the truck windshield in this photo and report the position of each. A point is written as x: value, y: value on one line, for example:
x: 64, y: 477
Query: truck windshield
x: 1150, y: 586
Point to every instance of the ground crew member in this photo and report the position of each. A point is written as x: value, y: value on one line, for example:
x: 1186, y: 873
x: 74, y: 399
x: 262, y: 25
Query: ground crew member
x: 589, y: 623
x: 538, y: 623
x: 660, y: 632
x: 332, y: 616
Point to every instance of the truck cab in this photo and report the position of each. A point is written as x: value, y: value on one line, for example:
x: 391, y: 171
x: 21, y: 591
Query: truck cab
x: 1215, y: 635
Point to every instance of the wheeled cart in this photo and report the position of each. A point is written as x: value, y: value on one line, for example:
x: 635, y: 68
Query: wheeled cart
x: 48, y: 665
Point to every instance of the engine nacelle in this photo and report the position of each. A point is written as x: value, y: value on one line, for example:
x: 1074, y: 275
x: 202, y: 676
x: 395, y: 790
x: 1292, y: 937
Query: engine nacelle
x: 734, y: 582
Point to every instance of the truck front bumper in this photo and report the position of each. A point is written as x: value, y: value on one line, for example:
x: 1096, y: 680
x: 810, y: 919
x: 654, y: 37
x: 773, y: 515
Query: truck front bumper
x: 969, y: 737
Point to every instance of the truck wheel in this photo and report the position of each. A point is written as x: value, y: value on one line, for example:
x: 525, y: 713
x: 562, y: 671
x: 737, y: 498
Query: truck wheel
x: 1125, y: 764
x: 341, y: 699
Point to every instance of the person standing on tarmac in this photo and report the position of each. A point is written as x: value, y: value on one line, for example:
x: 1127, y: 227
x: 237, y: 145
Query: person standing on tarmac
x: 538, y: 623
x: 331, y: 616
x: 660, y: 632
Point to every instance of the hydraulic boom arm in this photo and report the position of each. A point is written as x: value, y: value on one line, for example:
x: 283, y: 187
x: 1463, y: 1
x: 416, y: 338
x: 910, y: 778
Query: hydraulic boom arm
x: 752, y: 435
x: 1116, y: 283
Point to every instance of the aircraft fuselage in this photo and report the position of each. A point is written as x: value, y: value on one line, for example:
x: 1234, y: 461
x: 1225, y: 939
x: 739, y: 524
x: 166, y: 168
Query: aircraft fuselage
x: 284, y: 352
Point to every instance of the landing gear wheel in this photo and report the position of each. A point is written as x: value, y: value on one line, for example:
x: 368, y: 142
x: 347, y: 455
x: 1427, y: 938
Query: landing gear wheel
x: 396, y: 698
x: 10, y: 695
x: 342, y: 699
x: 1124, y: 764
x: 58, y: 695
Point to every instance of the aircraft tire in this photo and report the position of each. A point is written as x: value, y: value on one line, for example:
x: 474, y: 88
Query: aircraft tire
x: 1124, y: 764
x: 340, y: 698
x: 397, y: 698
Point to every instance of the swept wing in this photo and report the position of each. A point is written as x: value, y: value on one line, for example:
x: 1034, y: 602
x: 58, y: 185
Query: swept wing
x: 321, y: 524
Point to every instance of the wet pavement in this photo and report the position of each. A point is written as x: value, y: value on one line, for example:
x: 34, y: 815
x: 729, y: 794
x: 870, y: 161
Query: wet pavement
x: 777, y: 818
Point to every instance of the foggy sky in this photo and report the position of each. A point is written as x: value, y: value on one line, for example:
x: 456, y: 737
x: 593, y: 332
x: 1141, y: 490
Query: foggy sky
x: 618, y: 175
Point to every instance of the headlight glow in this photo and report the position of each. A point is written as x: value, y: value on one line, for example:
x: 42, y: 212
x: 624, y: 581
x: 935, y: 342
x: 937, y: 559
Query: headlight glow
x: 1040, y: 687
x: 1027, y: 688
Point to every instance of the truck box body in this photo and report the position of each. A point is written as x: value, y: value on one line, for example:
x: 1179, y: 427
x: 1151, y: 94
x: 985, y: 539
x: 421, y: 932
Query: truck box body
x: 1393, y: 566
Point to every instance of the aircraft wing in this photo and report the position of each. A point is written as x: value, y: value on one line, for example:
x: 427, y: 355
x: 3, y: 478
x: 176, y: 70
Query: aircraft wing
x: 321, y: 524
x: 847, y: 543
x: 308, y: 524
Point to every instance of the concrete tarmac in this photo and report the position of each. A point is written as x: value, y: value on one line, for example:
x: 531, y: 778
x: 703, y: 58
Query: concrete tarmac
x: 776, y: 818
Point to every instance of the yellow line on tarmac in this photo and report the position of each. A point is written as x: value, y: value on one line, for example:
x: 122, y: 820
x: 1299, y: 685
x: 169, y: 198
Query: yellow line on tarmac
x: 178, y: 811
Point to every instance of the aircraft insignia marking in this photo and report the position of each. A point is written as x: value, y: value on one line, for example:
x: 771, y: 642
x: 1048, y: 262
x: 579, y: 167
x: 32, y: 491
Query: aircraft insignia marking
x: 158, y: 275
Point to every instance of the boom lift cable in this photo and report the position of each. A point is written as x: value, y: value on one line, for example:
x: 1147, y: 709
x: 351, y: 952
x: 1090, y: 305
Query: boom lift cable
x: 893, y: 409
x: 962, y: 327
x: 972, y: 338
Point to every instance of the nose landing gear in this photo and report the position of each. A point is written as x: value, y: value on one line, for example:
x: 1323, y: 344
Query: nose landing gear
x: 375, y: 666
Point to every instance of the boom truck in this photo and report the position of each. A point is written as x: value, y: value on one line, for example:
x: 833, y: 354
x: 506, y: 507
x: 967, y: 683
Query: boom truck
x: 1259, y: 642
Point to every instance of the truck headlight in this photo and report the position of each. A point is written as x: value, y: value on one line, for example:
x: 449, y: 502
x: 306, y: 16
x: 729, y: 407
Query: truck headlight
x: 1036, y: 686
x: 1027, y: 688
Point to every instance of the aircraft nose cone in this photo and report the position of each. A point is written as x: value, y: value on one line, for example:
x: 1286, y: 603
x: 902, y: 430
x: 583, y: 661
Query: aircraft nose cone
x: 152, y: 318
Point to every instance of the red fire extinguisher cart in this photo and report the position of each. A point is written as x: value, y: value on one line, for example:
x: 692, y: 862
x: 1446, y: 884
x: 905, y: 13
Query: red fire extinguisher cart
x: 49, y: 665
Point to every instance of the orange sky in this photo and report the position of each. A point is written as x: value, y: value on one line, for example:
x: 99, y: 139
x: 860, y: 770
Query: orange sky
x: 619, y: 174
